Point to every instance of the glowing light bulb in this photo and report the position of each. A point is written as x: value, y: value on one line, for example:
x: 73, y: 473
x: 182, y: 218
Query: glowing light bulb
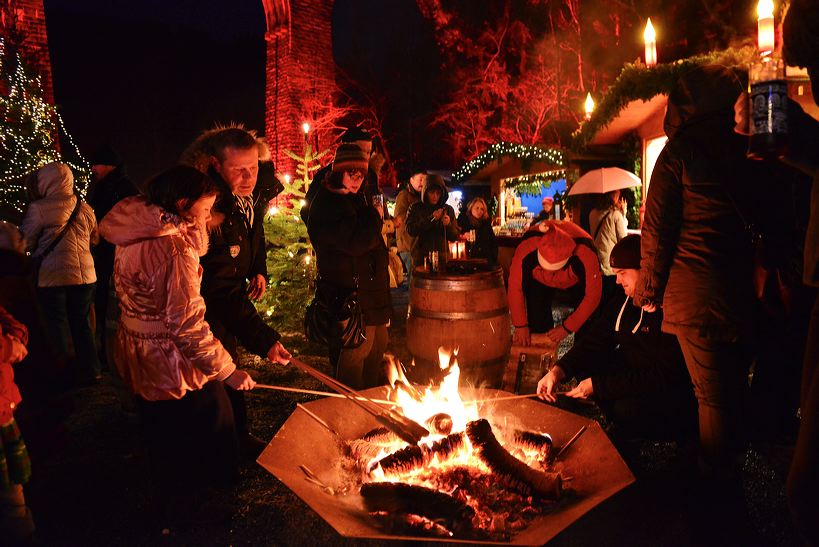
x: 305, y: 127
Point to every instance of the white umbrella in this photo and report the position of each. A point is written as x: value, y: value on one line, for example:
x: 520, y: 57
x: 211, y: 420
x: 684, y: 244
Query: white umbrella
x: 600, y: 181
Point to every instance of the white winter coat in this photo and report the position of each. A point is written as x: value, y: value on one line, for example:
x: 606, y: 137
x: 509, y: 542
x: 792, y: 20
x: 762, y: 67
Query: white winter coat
x: 70, y: 263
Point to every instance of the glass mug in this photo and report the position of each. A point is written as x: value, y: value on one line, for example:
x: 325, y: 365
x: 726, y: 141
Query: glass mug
x: 378, y: 203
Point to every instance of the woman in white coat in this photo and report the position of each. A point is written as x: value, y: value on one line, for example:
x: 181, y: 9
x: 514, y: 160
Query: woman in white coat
x: 66, y: 280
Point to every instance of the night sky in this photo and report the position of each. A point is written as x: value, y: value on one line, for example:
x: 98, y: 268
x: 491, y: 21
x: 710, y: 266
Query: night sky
x: 148, y: 76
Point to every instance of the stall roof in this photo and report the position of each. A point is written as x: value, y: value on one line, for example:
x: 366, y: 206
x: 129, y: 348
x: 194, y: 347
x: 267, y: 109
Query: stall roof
x: 641, y: 116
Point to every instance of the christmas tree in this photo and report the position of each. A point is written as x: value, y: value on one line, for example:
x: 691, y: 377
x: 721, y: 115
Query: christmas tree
x: 290, y: 265
x: 29, y: 129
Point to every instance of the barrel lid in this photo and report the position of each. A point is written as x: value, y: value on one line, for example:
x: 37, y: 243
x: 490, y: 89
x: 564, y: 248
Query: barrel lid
x: 461, y: 269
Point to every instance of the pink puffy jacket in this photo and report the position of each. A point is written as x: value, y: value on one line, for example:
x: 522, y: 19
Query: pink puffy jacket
x: 164, y: 347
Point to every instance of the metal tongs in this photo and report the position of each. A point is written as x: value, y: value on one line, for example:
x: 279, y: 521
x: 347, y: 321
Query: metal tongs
x: 408, y: 430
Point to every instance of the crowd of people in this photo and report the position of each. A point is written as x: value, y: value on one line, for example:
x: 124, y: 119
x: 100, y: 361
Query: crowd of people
x: 665, y: 355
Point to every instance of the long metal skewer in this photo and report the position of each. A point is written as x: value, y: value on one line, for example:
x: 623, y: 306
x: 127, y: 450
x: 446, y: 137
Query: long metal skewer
x: 315, y: 392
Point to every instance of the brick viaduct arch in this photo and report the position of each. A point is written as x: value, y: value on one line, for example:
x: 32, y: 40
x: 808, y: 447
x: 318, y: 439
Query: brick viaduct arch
x: 299, y: 43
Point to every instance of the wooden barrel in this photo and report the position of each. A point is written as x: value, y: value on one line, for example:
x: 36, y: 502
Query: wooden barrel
x: 465, y: 311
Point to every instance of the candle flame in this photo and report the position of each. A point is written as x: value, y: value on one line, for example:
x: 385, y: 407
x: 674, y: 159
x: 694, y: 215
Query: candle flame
x: 287, y: 179
x: 765, y: 9
x: 305, y: 127
x: 649, y: 35
x: 589, y: 104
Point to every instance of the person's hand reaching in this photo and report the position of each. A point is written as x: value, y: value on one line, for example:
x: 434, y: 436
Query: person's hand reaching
x: 548, y: 384
x: 240, y: 380
x: 277, y: 354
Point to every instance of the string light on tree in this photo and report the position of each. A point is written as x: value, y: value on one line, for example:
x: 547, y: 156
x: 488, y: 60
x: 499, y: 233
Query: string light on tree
x: 650, y: 39
x: 28, y: 128
x: 765, y: 26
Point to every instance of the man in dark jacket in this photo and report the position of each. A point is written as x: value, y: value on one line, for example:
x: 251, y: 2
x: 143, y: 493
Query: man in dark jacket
x: 109, y: 185
x: 234, y: 268
x: 632, y: 370
x: 431, y: 221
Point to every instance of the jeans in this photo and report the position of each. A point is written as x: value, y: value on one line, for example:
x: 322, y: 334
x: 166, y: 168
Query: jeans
x: 362, y: 367
x: 66, y: 310
x: 406, y: 258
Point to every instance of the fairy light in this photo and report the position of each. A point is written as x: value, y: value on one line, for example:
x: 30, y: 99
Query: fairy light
x: 500, y: 150
x: 24, y: 153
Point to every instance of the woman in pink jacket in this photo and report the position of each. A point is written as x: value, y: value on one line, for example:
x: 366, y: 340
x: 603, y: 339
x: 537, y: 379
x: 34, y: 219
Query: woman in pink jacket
x: 164, y: 349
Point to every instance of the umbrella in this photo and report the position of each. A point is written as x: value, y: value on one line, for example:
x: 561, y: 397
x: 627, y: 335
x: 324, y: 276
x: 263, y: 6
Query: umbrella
x: 600, y: 181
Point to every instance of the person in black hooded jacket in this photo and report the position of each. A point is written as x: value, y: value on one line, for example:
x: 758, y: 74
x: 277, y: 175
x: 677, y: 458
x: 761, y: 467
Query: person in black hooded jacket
x: 431, y: 221
x: 635, y: 372
x: 345, y: 230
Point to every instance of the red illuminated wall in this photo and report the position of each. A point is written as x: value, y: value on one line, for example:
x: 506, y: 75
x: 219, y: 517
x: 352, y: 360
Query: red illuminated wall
x: 299, y: 42
x: 29, y: 17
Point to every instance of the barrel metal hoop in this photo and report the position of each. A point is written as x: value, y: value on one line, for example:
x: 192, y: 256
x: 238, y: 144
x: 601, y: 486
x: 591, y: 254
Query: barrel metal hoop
x: 457, y: 315
x: 457, y: 285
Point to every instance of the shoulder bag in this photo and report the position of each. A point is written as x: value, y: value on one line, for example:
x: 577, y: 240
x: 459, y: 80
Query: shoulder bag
x: 36, y: 260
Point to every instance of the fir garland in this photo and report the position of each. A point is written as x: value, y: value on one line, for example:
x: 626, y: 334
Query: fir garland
x: 532, y: 185
x: 637, y: 81
x: 498, y: 151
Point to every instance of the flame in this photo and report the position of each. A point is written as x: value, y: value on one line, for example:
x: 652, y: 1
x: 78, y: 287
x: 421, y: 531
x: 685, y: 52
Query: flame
x: 765, y: 9
x: 589, y: 104
x: 649, y: 35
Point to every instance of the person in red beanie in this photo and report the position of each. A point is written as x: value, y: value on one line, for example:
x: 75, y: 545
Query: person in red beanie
x: 554, y: 255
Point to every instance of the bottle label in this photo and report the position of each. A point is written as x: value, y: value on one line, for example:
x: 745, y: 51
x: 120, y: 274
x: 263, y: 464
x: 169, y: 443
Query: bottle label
x: 769, y: 107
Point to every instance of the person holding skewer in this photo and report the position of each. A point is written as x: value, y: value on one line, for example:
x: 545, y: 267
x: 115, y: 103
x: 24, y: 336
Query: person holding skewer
x: 431, y: 221
x: 628, y: 366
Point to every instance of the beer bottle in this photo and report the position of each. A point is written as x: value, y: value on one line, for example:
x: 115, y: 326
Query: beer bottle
x: 768, y: 93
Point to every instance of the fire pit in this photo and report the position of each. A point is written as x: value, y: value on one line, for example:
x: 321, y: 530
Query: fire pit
x: 315, y: 463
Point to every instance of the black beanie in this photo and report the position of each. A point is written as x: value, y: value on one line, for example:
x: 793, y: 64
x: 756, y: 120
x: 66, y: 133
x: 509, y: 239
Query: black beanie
x: 105, y: 155
x: 626, y: 254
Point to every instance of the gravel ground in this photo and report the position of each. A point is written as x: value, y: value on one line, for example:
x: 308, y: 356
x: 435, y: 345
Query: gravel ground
x: 91, y: 485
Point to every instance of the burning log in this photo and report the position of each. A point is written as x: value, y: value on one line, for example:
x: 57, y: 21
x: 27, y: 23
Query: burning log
x: 403, y: 498
x: 415, y: 456
x: 440, y: 423
x: 512, y: 472
x: 537, y: 442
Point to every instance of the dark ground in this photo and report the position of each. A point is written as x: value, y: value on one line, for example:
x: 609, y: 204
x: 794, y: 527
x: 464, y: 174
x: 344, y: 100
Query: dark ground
x: 92, y: 487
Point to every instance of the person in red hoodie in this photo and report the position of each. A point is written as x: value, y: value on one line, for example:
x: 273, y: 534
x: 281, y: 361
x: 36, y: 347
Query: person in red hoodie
x: 554, y: 255
x: 16, y: 525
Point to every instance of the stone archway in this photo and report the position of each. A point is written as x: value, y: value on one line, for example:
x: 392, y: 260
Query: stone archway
x: 299, y: 45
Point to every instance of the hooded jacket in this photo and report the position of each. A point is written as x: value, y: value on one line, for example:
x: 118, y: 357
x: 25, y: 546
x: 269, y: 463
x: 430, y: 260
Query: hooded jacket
x: 70, y: 262
x: 697, y: 257
x: 648, y: 360
x: 430, y: 234
x: 9, y: 394
x: 164, y: 347
x: 582, y: 269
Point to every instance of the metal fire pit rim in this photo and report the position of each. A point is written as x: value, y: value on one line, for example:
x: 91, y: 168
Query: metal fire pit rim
x: 282, y: 459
